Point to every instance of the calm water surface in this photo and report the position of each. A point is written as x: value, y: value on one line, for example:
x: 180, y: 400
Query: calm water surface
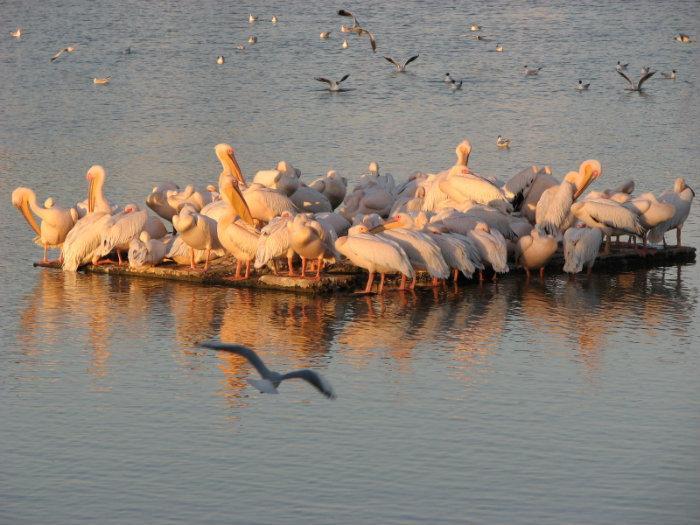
x: 554, y: 402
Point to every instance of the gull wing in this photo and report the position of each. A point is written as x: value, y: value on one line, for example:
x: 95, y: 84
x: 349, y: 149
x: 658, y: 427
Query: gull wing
x: 410, y: 60
x: 321, y: 79
x: 389, y: 59
x: 343, y: 12
x: 60, y: 52
x: 314, y: 378
x: 372, y: 41
x: 645, y: 78
x: 344, y: 78
x: 243, y: 351
x: 625, y: 77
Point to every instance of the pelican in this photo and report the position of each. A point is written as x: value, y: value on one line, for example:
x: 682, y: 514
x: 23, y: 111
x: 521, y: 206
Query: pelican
x: 462, y: 185
x: 236, y: 231
x: 146, y: 251
x: 158, y: 202
x: 220, y: 59
x: 284, y: 178
x: 325, y: 35
x: 265, y: 203
x: 492, y: 246
x: 681, y: 197
x: 502, y: 142
x: 101, y: 80
x: 310, y: 240
x: 535, y: 250
x: 400, y: 67
x: 518, y: 187
x: 307, y: 199
x: 270, y: 379
x: 252, y: 39
x: 542, y: 181
x: 17, y: 33
x: 120, y: 229
x: 669, y: 76
x: 371, y: 198
x: 197, y: 199
x: 609, y: 216
x: 55, y: 222
x: 345, y: 44
x: 621, y: 67
x: 683, y: 38
x: 333, y: 186
x: 274, y: 19
x: 638, y: 86
x: 499, y: 48
x: 275, y: 242
x: 530, y: 72
x: 227, y: 156
x: 68, y: 49
x: 652, y: 215
x: 198, y: 232
x: 581, y: 247
x: 581, y: 86
x: 333, y: 221
x: 332, y: 84
x: 422, y: 251
x: 252, y: 19
x: 374, y: 254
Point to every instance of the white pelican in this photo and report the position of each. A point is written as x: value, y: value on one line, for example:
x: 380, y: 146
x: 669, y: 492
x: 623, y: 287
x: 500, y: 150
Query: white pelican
x: 609, y: 217
x: 371, y: 199
x: 535, y: 250
x: 252, y: 19
x: 462, y: 185
x: 581, y: 247
x: 307, y: 199
x: 621, y: 67
x: 252, y: 39
x: 181, y: 253
x: 275, y: 242
x: 422, y: 251
x: 198, y: 232
x: 235, y: 230
x: 652, y: 215
x: 333, y: 186
x: 220, y: 59
x: 265, y: 203
x: 518, y: 187
x: 374, y: 254
x: 502, y: 142
x: 401, y: 66
x: 499, y: 47
x: 581, y: 86
x: 55, y: 222
x: 669, y: 76
x: 68, y: 49
x: 146, y: 251
x: 530, y: 72
x: 311, y: 240
x: 681, y: 197
x: 345, y: 44
x: 543, y: 180
x: 683, y: 38
x: 284, y: 178
x: 332, y: 84
x: 101, y: 80
x: 227, y: 156
x: 17, y: 33
x: 333, y: 221
x: 325, y: 35
x: 492, y: 246
x: 638, y: 86
x: 197, y: 199
x: 157, y: 200
x: 119, y: 230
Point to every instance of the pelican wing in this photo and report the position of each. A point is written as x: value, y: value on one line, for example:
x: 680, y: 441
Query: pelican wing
x: 243, y: 351
x: 614, y: 216
x: 274, y: 241
x: 645, y: 78
x: 120, y: 229
x: 410, y: 60
x: 314, y: 378
x: 553, y: 207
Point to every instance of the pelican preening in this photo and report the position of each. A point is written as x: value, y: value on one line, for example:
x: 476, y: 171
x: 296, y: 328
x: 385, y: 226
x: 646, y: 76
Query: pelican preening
x: 333, y: 85
x: 270, y: 379
x: 638, y: 86
x: 401, y: 66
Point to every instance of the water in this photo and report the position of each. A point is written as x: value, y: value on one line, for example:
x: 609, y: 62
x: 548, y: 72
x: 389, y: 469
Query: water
x: 554, y: 402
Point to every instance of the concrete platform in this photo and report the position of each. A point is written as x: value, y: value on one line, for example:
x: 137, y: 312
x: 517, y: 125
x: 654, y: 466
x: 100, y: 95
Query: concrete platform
x: 344, y: 277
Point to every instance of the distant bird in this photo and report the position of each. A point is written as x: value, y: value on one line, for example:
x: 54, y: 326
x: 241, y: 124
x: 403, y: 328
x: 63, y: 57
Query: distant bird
x: 271, y: 379
x: 529, y: 72
x: 252, y: 19
x: 475, y: 27
x: 240, y: 47
x: 252, y: 39
x: 401, y: 68
x: 503, y: 142
x: 448, y: 79
x: 68, y: 49
x: 127, y: 51
x: 582, y: 87
x: 325, y: 35
x: 332, y: 84
x: 456, y: 86
x: 220, y: 59
x: 345, y: 44
x: 357, y: 28
x: 101, y: 80
x: 17, y: 33
x: 683, y: 39
x: 669, y: 76
x: 621, y: 67
x: 481, y: 38
x: 273, y: 19
x: 638, y: 85
x: 499, y: 48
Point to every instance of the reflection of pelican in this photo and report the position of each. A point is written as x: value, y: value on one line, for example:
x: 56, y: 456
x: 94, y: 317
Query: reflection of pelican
x: 271, y: 379
x: 55, y: 222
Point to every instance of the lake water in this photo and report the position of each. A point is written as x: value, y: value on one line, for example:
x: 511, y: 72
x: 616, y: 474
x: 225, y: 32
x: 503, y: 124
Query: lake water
x: 549, y: 402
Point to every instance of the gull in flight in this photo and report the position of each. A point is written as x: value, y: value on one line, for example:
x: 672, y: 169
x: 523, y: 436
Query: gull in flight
x: 621, y: 67
x: 683, y: 38
x: 529, y: 72
x: 638, y: 85
x: 582, y: 87
x: 16, y: 33
x: 332, y: 84
x: 502, y: 142
x: 669, y: 76
x: 401, y: 68
x: 101, y: 80
x: 357, y: 28
x: 68, y: 49
x: 271, y: 379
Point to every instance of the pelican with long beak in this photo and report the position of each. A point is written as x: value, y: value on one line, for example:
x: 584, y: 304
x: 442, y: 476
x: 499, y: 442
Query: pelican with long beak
x: 55, y: 222
x: 227, y: 156
x: 236, y: 230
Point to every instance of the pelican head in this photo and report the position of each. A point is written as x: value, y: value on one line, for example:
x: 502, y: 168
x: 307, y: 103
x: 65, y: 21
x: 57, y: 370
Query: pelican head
x: 185, y: 219
x: 95, y: 177
x: 463, y: 151
x: 358, y: 229
x: 48, y: 203
x: 374, y: 168
x: 482, y: 227
x: 20, y: 200
x: 589, y: 171
x: 144, y: 236
x: 227, y: 157
x: 400, y: 220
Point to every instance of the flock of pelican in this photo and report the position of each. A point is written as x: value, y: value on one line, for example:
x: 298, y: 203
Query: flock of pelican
x: 445, y: 223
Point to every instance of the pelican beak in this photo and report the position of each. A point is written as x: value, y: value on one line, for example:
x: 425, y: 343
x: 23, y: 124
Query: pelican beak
x: 91, y: 195
x: 27, y: 214
x: 236, y: 169
x: 588, y: 179
x: 388, y: 225
x: 235, y: 198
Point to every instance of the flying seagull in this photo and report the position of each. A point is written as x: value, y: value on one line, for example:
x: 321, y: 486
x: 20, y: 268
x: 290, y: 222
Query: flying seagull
x: 332, y: 84
x: 271, y: 379
x: 68, y: 49
x: 401, y: 68
x: 357, y: 28
x: 638, y: 85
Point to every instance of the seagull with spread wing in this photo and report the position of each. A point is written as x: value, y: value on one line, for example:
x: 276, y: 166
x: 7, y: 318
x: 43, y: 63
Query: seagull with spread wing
x: 638, y: 85
x: 271, y: 379
x: 400, y: 68
x: 332, y: 84
x: 68, y: 49
x: 357, y: 28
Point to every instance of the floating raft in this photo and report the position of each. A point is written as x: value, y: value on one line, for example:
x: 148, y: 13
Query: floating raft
x: 345, y: 277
